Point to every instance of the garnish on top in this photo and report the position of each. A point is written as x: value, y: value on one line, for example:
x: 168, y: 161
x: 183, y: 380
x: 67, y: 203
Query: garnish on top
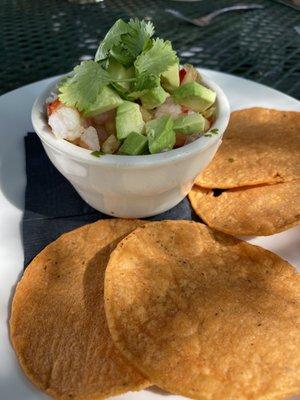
x: 133, y: 98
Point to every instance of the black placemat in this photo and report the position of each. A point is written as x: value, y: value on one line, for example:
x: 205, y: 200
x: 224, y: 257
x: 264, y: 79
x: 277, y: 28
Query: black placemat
x: 53, y: 207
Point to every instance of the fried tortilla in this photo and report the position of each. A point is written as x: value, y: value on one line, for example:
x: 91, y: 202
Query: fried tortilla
x: 260, y: 146
x: 261, y: 210
x: 58, y: 325
x: 203, y: 314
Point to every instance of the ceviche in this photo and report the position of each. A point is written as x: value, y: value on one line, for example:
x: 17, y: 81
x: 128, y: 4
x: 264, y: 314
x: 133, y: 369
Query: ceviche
x: 134, y: 98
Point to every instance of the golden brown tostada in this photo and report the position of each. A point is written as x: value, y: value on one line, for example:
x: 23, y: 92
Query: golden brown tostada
x: 58, y: 324
x: 203, y: 314
x: 260, y: 146
x: 257, y: 210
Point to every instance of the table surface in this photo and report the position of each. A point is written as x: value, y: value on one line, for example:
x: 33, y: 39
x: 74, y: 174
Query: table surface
x: 42, y: 38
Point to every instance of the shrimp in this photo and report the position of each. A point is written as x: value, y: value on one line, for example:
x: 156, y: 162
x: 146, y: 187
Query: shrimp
x: 168, y: 108
x: 66, y: 122
x: 89, y: 139
x: 51, y: 107
x: 105, y: 123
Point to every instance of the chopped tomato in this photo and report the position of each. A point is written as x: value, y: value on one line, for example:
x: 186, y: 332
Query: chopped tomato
x: 184, y: 110
x: 180, y: 140
x: 88, y: 122
x: 182, y: 74
x: 210, y: 119
x: 53, y: 106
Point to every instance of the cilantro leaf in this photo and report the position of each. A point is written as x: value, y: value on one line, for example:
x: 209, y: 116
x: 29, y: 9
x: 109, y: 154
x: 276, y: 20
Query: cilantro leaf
x: 120, y: 89
x: 137, y: 39
x: 133, y: 42
x: 121, y: 54
x: 112, y: 38
x: 157, y: 59
x: 97, y: 153
x: 81, y: 89
x: 145, y: 28
x: 211, y: 132
x: 125, y: 41
x: 143, y: 83
x: 146, y: 81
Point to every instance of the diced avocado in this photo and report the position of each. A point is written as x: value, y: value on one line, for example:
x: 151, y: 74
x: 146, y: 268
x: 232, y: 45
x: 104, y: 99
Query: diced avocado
x: 134, y: 144
x: 194, y: 96
x: 189, y: 124
x: 154, y: 98
x: 160, y: 133
x: 209, y: 113
x: 191, y: 74
x: 170, y: 78
x: 128, y: 119
x: 107, y: 100
x: 118, y: 71
x: 110, y: 145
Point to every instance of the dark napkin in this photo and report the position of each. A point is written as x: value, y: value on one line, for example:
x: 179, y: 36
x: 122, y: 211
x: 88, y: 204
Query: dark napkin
x: 52, y: 206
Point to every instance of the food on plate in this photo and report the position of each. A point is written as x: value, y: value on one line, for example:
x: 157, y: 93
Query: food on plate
x: 254, y: 210
x: 203, y: 314
x: 58, y: 325
x: 260, y: 146
x: 110, y: 105
x: 251, y: 187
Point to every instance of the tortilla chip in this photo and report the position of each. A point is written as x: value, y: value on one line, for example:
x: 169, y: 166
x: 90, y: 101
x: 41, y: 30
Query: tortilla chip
x: 58, y: 324
x: 259, y: 146
x: 258, y: 210
x: 203, y: 314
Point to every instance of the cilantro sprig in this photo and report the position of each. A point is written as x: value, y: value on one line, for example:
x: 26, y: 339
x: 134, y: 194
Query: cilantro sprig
x: 97, y: 153
x: 111, y: 39
x: 157, y: 59
x: 212, y: 132
x: 137, y: 39
x: 81, y: 89
x: 125, y: 41
x: 143, y: 83
x: 129, y: 44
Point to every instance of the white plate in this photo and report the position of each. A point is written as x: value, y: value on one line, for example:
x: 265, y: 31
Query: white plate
x: 15, y: 121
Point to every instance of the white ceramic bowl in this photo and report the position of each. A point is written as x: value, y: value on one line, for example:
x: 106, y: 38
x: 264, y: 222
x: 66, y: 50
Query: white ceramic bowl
x: 131, y: 186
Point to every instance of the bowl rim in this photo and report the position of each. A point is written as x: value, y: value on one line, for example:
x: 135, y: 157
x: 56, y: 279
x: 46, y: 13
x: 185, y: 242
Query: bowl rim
x: 74, y: 152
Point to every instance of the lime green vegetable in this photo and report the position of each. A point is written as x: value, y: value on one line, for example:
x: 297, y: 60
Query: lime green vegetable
x: 160, y: 133
x: 134, y: 144
x: 170, y: 78
x: 195, y: 96
x: 107, y: 100
x: 129, y: 119
x: 154, y: 98
x: 120, y: 75
x: 189, y: 124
